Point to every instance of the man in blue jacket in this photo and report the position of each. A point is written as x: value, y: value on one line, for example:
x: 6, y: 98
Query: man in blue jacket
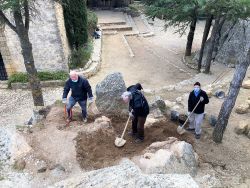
x: 197, y: 117
x: 80, y: 91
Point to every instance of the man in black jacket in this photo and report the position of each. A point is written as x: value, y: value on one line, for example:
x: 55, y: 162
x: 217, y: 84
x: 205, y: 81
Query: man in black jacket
x: 80, y: 91
x: 196, y: 118
x: 139, y: 110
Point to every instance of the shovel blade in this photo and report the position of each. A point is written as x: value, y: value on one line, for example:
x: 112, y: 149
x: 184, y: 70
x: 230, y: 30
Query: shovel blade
x: 119, y: 142
x: 180, y: 130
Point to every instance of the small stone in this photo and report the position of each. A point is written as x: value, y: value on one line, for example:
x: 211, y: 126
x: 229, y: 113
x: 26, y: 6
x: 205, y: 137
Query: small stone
x: 42, y: 167
x: 246, y: 84
x: 179, y: 100
x: 19, y: 164
x: 248, y: 135
x: 209, y: 93
x: 169, y: 104
x: 248, y: 102
x: 242, y: 109
x: 212, y: 120
x: 241, y: 128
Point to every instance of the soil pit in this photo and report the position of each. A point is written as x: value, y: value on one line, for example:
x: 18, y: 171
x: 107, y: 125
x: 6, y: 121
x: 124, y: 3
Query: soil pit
x: 97, y: 150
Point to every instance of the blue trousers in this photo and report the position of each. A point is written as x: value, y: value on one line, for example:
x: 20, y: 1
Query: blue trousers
x: 72, y: 102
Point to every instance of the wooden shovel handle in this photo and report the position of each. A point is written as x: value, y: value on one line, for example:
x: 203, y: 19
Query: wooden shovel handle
x: 126, y: 126
x: 191, y: 114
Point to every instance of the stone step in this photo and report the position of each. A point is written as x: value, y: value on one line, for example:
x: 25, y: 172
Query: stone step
x: 3, y: 84
x: 117, y: 28
x: 111, y: 23
x: 113, y: 32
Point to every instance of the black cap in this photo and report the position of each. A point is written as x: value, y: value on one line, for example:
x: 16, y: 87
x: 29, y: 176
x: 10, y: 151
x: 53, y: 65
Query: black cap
x: 197, y: 84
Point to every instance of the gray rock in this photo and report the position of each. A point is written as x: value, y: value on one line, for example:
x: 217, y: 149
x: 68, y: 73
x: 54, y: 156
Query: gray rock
x: 242, y: 127
x: 127, y: 174
x: 170, y: 156
x: 108, y: 96
x: 41, y: 166
x: 246, y: 84
x: 57, y: 170
x: 242, y: 109
x: 248, y: 135
x: 20, y: 164
x: 212, y: 120
x: 231, y: 43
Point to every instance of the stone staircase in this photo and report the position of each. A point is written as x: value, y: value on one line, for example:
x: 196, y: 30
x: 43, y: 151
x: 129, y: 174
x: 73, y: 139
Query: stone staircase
x: 3, y: 84
x: 131, y: 26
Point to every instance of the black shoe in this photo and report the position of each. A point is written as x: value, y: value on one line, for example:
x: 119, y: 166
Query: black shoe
x: 130, y: 133
x: 139, y: 140
x: 197, y: 136
x: 190, y: 130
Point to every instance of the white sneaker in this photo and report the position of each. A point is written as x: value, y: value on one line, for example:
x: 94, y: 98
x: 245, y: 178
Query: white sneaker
x: 85, y: 120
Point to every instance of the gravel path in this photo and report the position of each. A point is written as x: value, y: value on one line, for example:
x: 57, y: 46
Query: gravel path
x: 16, y: 105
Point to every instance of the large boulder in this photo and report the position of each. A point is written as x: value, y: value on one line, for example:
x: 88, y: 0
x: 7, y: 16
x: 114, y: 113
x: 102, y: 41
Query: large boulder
x: 171, y: 156
x: 231, y: 42
x: 108, y: 96
x: 127, y: 174
x: 13, y: 146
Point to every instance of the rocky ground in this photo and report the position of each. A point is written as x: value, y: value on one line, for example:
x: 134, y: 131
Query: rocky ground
x: 49, y: 154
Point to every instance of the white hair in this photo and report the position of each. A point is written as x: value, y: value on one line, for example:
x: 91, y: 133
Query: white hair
x: 127, y: 94
x: 72, y: 73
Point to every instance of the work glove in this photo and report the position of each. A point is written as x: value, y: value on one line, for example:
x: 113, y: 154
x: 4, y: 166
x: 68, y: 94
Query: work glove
x: 64, y: 100
x: 201, y: 99
x: 91, y: 99
x: 131, y: 115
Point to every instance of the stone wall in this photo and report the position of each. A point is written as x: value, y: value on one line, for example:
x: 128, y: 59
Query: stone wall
x: 48, y: 38
x: 10, y: 68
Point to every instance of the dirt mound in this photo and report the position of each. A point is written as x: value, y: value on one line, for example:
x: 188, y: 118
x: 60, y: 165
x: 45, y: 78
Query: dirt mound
x: 97, y: 150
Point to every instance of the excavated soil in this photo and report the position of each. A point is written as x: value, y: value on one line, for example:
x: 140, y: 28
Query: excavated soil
x: 97, y: 150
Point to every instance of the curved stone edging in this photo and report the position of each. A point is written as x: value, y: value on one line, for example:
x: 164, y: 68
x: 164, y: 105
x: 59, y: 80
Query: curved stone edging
x: 94, y: 64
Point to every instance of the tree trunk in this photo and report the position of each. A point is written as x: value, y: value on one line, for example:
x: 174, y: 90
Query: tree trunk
x: 204, y: 39
x: 229, y: 102
x: 190, y: 38
x: 217, y: 27
x: 27, y: 53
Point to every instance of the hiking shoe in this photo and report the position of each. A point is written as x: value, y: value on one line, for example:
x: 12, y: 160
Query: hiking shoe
x: 84, y: 120
x: 190, y: 129
x: 139, y: 140
x: 197, y: 136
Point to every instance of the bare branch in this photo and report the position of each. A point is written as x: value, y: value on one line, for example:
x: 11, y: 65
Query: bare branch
x: 6, y: 21
x: 26, y: 14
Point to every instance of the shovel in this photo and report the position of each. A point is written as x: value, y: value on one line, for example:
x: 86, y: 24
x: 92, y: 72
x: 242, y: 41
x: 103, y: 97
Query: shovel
x: 119, y: 142
x: 180, y: 129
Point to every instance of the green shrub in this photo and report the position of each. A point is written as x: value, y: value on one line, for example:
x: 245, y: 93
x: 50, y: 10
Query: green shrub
x: 18, y: 77
x: 43, y: 76
x: 80, y: 57
x: 92, y: 22
x: 134, y: 10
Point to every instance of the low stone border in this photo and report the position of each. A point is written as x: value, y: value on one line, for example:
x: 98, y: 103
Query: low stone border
x: 94, y: 64
x: 131, y: 53
x: 52, y: 83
